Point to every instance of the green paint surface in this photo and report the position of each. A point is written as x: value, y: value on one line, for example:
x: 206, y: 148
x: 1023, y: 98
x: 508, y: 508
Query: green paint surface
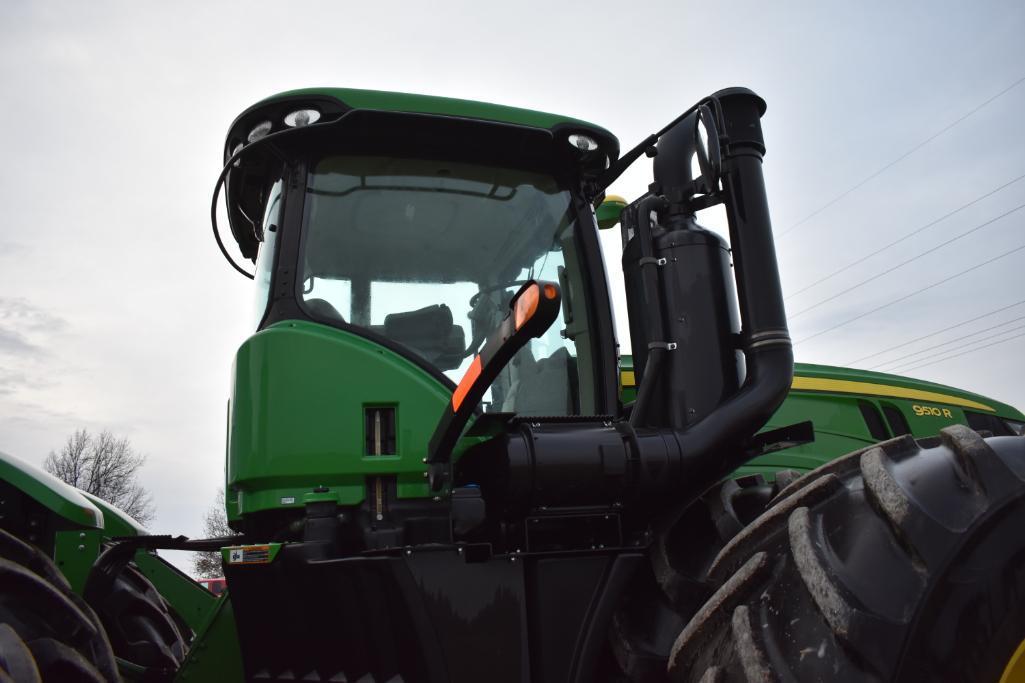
x: 444, y: 106
x: 194, y: 602
x: 608, y: 212
x: 74, y: 553
x: 297, y: 416
x: 837, y: 419
x: 215, y: 654
x: 50, y: 492
x: 115, y: 521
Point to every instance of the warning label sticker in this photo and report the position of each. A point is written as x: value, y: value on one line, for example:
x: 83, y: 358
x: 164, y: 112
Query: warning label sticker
x: 249, y: 554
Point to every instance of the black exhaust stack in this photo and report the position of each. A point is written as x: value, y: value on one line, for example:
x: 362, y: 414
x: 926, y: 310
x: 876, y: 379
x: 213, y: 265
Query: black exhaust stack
x: 713, y: 379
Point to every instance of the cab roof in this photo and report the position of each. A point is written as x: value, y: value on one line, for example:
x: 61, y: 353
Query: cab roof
x: 246, y: 180
x: 352, y: 98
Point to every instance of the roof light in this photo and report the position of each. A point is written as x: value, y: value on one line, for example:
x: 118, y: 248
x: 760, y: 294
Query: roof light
x: 583, y: 142
x: 259, y: 130
x: 302, y: 117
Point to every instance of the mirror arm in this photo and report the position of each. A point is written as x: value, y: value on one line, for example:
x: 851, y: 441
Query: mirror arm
x: 624, y: 162
x: 532, y: 311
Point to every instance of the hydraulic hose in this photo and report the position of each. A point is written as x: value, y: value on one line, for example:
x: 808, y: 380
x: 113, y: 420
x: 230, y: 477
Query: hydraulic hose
x: 653, y: 302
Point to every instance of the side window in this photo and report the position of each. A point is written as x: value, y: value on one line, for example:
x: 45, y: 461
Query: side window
x: 265, y: 256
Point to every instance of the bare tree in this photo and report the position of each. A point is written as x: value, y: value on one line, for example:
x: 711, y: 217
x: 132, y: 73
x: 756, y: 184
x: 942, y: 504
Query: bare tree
x: 105, y: 466
x: 215, y: 524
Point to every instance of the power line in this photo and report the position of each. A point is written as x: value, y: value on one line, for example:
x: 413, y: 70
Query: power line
x: 906, y: 363
x: 904, y: 263
x: 905, y: 237
x: 980, y: 348
x: 914, y: 293
x: 903, y: 156
x: 933, y: 334
x: 902, y: 367
x: 949, y: 341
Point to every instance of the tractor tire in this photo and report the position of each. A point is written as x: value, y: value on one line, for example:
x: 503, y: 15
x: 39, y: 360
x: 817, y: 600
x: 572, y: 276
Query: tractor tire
x: 47, y: 632
x: 142, y: 626
x: 893, y: 563
x: 663, y: 597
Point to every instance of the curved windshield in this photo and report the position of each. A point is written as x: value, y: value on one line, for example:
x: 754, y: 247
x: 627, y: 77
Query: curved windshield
x: 429, y: 253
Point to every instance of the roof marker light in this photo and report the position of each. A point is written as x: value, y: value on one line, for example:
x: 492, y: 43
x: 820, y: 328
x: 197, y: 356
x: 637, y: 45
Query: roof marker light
x: 583, y: 142
x: 302, y: 117
x: 259, y: 130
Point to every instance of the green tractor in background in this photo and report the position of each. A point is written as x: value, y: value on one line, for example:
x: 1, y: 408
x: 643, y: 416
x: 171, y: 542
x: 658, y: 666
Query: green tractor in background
x: 441, y: 469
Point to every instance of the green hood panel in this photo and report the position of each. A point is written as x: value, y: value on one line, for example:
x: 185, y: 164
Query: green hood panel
x: 836, y: 400
x: 64, y: 500
x: 296, y: 418
x: 116, y: 522
x: 832, y: 379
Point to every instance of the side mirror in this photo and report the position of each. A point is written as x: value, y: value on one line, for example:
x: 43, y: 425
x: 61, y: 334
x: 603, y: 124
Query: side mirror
x: 608, y: 211
x: 706, y: 142
x: 695, y: 135
x: 532, y: 310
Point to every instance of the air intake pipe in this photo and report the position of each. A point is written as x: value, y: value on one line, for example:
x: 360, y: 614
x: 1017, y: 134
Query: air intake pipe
x: 714, y: 445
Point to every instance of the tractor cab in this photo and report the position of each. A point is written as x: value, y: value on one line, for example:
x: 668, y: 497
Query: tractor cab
x: 404, y: 225
x: 414, y: 230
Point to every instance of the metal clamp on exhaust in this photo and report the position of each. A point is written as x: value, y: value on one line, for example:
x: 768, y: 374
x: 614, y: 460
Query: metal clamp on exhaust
x: 768, y: 338
x: 651, y: 260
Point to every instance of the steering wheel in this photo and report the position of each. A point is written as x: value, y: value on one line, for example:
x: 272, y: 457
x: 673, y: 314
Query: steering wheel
x: 494, y: 288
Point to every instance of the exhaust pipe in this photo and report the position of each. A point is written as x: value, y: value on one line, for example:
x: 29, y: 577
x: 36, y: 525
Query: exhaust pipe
x: 715, y: 446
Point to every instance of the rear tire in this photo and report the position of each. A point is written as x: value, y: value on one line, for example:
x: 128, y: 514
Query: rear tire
x: 47, y: 632
x: 664, y: 596
x: 893, y: 563
x: 142, y: 626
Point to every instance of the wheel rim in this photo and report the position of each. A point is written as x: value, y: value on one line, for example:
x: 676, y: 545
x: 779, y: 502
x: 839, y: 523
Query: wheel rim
x: 1014, y: 672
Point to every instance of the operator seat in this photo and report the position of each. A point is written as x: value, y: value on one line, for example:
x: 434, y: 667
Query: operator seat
x: 539, y: 387
x: 429, y: 331
x: 321, y: 308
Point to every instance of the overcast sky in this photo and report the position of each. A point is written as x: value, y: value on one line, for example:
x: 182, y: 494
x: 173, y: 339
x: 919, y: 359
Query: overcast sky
x: 117, y: 311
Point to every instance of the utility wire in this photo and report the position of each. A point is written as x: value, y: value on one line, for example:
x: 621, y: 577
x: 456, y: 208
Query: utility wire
x: 904, y: 263
x: 897, y: 368
x: 980, y: 348
x: 915, y: 293
x: 933, y: 334
x: 905, y: 237
x: 903, y: 156
x: 949, y: 341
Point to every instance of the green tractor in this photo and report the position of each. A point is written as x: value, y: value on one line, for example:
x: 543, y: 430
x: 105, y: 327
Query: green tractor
x: 440, y: 469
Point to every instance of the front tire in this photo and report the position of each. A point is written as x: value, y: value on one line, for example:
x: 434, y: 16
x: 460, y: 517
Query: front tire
x: 894, y: 563
x: 47, y: 632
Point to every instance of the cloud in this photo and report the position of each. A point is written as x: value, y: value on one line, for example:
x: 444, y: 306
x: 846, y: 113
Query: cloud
x: 19, y: 313
x: 12, y: 250
x: 11, y: 380
x: 14, y: 344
